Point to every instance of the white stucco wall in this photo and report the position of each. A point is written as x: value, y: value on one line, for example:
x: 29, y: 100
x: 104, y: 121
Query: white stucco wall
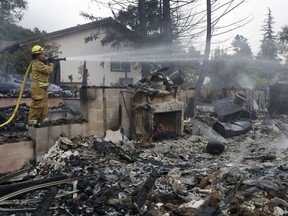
x: 74, y: 48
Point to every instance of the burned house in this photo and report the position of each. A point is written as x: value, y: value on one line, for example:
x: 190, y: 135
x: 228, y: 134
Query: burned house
x: 156, y: 108
x: 83, y: 172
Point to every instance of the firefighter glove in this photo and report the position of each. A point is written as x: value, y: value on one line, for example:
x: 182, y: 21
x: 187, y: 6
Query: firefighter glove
x: 51, y: 59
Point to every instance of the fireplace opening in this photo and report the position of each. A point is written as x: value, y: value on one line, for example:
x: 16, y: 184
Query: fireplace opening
x: 158, y: 121
x: 166, y: 125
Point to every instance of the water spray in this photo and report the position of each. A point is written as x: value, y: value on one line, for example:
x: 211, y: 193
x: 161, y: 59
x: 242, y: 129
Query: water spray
x: 156, y: 54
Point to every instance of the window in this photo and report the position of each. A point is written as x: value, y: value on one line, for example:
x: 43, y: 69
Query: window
x: 120, y: 66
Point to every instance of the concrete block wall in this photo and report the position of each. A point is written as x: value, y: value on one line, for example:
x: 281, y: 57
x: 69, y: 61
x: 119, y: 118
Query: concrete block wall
x: 104, y: 109
x: 107, y: 108
x: 13, y: 156
x: 46, y: 137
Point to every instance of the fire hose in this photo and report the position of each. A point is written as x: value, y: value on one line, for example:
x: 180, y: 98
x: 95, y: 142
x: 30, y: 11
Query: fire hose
x: 19, y: 97
x: 21, y: 92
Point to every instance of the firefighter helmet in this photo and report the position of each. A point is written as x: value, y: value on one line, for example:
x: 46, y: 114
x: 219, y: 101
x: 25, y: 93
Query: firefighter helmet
x: 37, y: 49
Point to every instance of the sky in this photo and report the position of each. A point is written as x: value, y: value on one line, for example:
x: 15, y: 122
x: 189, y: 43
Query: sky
x: 54, y: 15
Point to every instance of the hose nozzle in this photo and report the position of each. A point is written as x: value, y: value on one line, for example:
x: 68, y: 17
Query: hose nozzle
x: 54, y: 59
x: 60, y: 59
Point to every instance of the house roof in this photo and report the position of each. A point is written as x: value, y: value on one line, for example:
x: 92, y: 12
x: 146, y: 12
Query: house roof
x: 103, y: 22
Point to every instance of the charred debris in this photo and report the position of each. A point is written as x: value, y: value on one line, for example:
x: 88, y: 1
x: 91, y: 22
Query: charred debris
x: 17, y: 129
x: 230, y: 160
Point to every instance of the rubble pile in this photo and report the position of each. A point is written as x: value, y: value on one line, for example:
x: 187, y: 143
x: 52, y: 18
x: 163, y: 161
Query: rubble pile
x: 179, y: 176
x: 19, y: 121
x: 17, y: 130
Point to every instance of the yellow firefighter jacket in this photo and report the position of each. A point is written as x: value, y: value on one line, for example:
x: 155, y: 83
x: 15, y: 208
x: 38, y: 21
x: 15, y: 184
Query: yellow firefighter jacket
x: 39, y: 92
x: 40, y: 72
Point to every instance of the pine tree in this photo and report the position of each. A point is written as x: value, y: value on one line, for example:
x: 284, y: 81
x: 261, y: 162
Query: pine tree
x: 283, y: 43
x: 241, y: 47
x: 268, y: 48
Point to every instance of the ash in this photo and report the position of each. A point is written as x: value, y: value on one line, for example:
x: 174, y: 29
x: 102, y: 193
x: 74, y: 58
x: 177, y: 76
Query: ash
x: 179, y: 176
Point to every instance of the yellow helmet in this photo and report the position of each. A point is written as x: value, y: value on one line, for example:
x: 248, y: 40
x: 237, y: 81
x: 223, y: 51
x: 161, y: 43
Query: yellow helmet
x: 37, y: 49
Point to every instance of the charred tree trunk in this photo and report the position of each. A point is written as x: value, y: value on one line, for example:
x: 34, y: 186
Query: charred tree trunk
x: 142, y: 19
x: 143, y: 33
x: 85, y: 75
x: 204, y: 67
x: 167, y: 29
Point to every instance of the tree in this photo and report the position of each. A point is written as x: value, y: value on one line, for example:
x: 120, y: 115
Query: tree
x: 13, y: 32
x: 144, y: 18
x: 268, y: 48
x: 16, y: 61
x: 12, y: 10
x: 241, y: 47
x: 172, y: 20
x: 211, y: 26
x: 283, y: 42
x: 150, y: 22
x: 187, y: 17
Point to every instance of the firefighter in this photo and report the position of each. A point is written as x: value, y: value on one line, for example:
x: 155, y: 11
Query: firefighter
x: 38, y: 113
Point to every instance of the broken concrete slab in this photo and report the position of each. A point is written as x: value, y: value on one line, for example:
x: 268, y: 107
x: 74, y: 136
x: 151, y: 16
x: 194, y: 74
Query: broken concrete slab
x: 113, y: 136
